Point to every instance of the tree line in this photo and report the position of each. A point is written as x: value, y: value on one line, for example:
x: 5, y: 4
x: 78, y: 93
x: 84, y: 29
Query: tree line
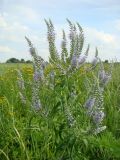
x: 15, y: 60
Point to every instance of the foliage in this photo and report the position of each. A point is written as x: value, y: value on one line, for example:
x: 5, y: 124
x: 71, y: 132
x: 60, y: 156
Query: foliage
x: 15, y: 60
x: 12, y: 60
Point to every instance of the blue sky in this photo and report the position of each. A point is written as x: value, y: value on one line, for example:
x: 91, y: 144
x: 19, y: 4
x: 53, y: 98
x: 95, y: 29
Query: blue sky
x: 99, y: 19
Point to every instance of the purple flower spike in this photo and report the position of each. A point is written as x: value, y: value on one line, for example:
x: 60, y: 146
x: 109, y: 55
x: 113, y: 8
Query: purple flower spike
x: 98, y: 117
x: 74, y: 61
x: 37, y: 105
x: 81, y: 59
x: 95, y: 61
x: 104, y: 77
x: 90, y: 103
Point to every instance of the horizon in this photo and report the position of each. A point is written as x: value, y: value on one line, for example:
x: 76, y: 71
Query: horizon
x: 100, y: 22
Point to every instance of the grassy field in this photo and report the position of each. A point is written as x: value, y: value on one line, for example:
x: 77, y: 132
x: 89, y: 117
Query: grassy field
x: 4, y: 67
x: 46, y: 134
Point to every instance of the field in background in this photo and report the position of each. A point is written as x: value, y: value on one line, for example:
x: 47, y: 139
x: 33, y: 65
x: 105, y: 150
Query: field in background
x: 4, y: 67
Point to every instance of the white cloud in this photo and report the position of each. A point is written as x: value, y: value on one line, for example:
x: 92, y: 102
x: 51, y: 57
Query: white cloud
x: 12, y: 31
x: 6, y: 49
x: 99, y: 36
x: 108, y: 44
x: 12, y: 34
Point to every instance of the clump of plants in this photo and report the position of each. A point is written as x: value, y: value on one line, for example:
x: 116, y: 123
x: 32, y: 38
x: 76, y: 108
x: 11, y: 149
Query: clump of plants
x: 59, y: 112
x: 68, y: 65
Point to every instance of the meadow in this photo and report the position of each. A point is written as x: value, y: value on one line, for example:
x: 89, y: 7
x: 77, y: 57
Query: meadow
x: 65, y: 109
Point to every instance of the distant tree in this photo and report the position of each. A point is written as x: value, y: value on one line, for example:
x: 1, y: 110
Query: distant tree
x: 22, y: 60
x: 12, y: 60
x: 28, y: 61
x: 106, y: 61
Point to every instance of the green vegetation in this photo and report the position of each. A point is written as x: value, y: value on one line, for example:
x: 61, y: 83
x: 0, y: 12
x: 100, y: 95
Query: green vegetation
x: 65, y: 109
x: 15, y: 60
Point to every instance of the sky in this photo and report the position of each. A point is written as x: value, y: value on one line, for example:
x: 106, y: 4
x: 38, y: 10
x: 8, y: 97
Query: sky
x: 100, y: 21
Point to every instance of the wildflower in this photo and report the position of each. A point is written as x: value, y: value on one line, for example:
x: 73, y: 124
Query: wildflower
x: 107, y: 78
x: 98, y: 117
x: 82, y: 59
x: 51, y: 34
x: 104, y: 77
x: 101, y: 75
x: 95, y: 61
x: 43, y: 65
x: 37, y: 105
x: 74, y: 61
x: 38, y: 75
x: 90, y: 103
x: 72, y: 34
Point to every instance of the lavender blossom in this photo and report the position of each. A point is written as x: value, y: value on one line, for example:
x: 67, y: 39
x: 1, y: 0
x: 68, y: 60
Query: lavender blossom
x: 95, y: 61
x: 90, y: 103
x: 101, y: 75
x: 104, y: 77
x: 51, y: 35
x: 98, y: 117
x: 38, y: 75
x: 74, y: 61
x: 82, y: 59
x: 37, y: 105
x: 72, y: 34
